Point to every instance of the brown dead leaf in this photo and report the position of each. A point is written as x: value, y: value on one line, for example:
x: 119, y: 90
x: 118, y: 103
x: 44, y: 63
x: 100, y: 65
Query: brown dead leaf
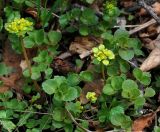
x: 152, y: 61
x: 142, y: 122
x: 148, y: 43
x: 32, y: 12
x: 10, y: 58
x: 151, y: 44
x: 83, y: 45
x: 13, y: 80
x: 156, y: 7
x: 63, y: 66
x: 95, y: 86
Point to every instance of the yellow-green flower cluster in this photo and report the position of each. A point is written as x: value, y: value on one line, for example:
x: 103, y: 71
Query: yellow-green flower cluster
x: 91, y: 96
x: 110, y: 6
x: 19, y: 26
x: 102, y: 54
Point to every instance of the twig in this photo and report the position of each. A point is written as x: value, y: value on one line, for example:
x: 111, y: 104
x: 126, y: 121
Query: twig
x: 127, y: 26
x: 64, y: 55
x: 37, y: 87
x: 85, y: 54
x: 134, y: 65
x: 40, y: 113
x: 142, y: 26
x: 76, y: 123
x: 150, y: 10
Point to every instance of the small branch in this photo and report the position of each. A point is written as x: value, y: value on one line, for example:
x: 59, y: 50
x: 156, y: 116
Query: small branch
x: 150, y: 10
x: 142, y: 26
x: 25, y: 55
x: 64, y: 55
x: 127, y: 26
x: 40, y: 113
x: 76, y: 123
x: 37, y: 87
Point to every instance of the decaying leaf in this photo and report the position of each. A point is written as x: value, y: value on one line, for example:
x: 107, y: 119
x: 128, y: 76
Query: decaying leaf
x: 23, y: 65
x: 95, y: 86
x: 83, y: 45
x: 144, y: 121
x: 151, y: 44
x: 63, y: 66
x: 152, y: 61
x: 32, y: 12
x: 13, y: 80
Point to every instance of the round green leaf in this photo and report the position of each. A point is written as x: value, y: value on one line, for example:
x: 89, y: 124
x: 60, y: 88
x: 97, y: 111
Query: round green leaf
x: 127, y: 84
x: 38, y: 36
x: 108, y: 90
x: 83, y: 30
x: 54, y: 37
x: 149, y: 92
x: 116, y: 82
x: 139, y: 102
x: 28, y: 42
x: 58, y: 114
x: 86, y: 76
x: 49, y: 86
x: 126, y: 54
x: 73, y: 79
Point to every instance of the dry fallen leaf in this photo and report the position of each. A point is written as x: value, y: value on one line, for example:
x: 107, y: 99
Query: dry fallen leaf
x: 95, y: 86
x: 144, y: 121
x: 63, y: 66
x: 152, y: 61
x: 151, y: 44
x: 23, y: 65
x: 83, y: 45
x: 32, y: 12
x: 13, y: 80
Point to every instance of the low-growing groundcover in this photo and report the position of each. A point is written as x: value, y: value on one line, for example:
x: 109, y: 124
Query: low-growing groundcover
x: 51, y: 88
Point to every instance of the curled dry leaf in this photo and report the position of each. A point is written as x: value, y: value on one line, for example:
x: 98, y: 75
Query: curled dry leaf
x: 14, y: 80
x: 148, y: 43
x: 144, y: 121
x: 63, y: 66
x: 23, y: 65
x: 152, y: 61
x: 32, y: 12
x: 95, y: 86
x: 156, y: 7
x: 83, y: 45
x: 151, y: 44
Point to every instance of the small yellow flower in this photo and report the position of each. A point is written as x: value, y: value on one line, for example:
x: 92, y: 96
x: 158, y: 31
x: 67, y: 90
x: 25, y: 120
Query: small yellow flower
x: 110, y: 6
x: 102, y: 54
x: 19, y: 26
x: 91, y: 96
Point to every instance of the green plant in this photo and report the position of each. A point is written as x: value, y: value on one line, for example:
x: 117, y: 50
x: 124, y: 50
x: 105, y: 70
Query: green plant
x: 51, y: 100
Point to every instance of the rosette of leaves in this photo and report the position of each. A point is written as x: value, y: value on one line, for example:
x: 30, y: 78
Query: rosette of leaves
x: 61, y: 89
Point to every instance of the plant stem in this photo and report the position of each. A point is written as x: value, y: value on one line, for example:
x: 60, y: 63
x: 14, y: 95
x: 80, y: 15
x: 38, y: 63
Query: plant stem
x: 76, y: 123
x: 103, y: 73
x: 25, y: 55
x: 37, y: 87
